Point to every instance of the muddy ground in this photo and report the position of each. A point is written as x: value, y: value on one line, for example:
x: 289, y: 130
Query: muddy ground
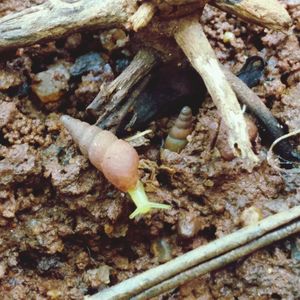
x: 65, y: 231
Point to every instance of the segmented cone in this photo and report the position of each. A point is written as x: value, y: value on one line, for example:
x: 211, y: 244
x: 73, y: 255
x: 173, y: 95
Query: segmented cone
x: 81, y: 132
x: 176, y: 139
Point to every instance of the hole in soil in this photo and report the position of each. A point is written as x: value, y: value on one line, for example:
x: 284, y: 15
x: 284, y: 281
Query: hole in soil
x: 209, y: 232
x: 256, y: 40
x: 275, y: 296
x: 163, y: 178
x: 284, y: 77
x: 197, y: 199
x: 3, y: 141
x: 27, y: 260
x: 270, y: 101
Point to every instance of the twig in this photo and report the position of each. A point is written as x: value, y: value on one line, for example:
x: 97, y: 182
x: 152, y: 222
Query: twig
x: 267, y: 13
x: 270, y: 154
x: 114, y: 120
x: 192, y: 40
x: 142, y: 16
x: 260, y: 110
x: 118, y: 89
x: 150, y: 278
x: 220, y: 261
x: 57, y: 18
x: 54, y: 19
x: 138, y: 135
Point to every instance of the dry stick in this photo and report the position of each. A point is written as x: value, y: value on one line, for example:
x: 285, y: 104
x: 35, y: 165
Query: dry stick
x: 142, y: 16
x: 220, y: 261
x: 268, y: 13
x: 114, y: 120
x: 55, y: 19
x: 148, y: 279
x: 255, y: 105
x: 118, y: 89
x: 192, y: 40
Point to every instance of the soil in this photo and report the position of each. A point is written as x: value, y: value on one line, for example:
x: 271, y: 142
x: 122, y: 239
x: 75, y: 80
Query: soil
x: 65, y: 231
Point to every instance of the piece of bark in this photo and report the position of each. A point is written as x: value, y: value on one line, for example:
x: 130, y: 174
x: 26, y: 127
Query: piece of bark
x: 255, y: 105
x: 114, y: 120
x: 116, y: 91
x: 57, y: 18
x: 192, y: 40
x: 142, y: 16
x: 267, y: 13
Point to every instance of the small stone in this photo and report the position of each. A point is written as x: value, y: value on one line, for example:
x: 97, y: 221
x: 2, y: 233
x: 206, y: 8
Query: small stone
x: 86, y: 63
x: 73, y: 41
x: 188, y: 226
x: 250, y: 216
x: 54, y: 294
x: 97, y: 277
x: 228, y: 37
x: 3, y: 268
x: 121, y: 64
x: 295, y: 249
x: 9, y: 79
x: 121, y: 262
x: 161, y: 250
x: 113, y: 39
x: 52, y: 84
x: 82, y: 260
x: 7, y: 111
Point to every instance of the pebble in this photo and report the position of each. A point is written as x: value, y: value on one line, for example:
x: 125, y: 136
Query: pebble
x: 7, y: 111
x: 251, y: 216
x: 295, y: 249
x: 113, y: 39
x: 97, y: 277
x: 73, y: 41
x: 51, y: 85
x: 161, y: 250
x: 121, y: 64
x: 88, y: 62
x: 9, y: 79
x: 228, y: 37
x: 188, y: 226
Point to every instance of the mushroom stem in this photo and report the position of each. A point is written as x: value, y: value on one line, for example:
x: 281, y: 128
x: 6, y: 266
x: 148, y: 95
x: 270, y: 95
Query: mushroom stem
x: 140, y: 199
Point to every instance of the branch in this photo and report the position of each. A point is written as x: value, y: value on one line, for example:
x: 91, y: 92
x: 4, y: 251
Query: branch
x: 152, y: 277
x: 56, y: 18
x: 220, y: 261
x: 142, y: 16
x: 116, y: 91
x: 259, y: 110
x: 192, y: 40
x: 266, y: 13
x: 114, y: 120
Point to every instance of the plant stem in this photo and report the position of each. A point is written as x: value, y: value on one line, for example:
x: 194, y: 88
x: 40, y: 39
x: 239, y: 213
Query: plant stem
x: 152, y: 277
x: 220, y: 261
